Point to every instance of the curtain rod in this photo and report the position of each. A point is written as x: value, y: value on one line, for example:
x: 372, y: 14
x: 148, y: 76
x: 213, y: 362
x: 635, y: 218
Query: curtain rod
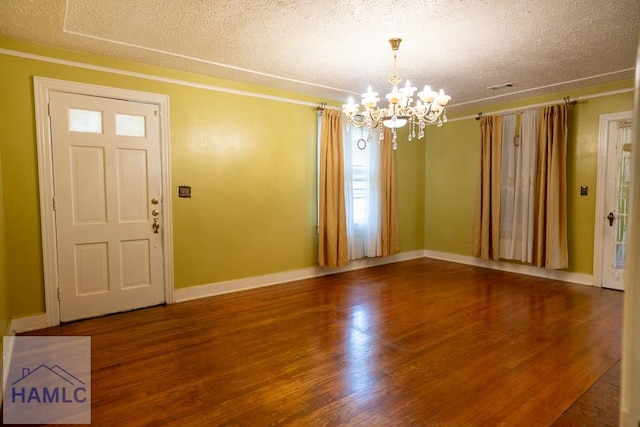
x: 573, y: 101
x: 323, y: 106
x: 567, y: 100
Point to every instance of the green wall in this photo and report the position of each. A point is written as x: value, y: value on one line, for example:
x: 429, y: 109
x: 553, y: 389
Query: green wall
x: 451, y: 173
x: 251, y: 163
x: 453, y: 162
x: 410, y: 187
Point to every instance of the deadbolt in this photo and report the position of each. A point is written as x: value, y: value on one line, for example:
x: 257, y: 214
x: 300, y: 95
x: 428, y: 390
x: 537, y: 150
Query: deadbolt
x: 155, y: 212
x: 154, y: 201
x: 611, y: 217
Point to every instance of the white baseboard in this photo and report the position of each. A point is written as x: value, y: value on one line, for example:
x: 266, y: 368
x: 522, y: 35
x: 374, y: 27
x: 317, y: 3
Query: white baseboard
x: 7, y: 353
x: 228, y: 286
x: 26, y: 324
x: 565, y: 276
x: 16, y: 326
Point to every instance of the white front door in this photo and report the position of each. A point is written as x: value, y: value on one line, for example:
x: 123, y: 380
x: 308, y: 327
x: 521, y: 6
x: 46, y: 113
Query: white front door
x: 613, y: 197
x: 108, y: 204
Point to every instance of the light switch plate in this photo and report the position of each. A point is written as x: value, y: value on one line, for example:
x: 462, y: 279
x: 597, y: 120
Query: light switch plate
x: 184, y: 191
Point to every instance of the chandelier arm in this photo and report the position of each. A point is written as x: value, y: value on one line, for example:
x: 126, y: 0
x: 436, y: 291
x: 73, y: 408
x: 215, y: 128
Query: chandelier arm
x: 377, y: 114
x: 354, y: 122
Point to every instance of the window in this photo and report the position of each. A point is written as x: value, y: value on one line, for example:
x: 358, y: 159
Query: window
x: 519, y: 149
x: 362, y: 191
x: 85, y: 121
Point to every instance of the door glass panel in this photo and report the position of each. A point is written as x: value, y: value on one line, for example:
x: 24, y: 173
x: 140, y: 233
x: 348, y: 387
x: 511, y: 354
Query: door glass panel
x: 128, y: 125
x: 622, y: 194
x: 85, y: 121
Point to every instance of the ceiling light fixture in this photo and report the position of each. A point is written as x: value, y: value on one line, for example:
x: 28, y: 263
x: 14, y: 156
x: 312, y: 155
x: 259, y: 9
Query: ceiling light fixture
x: 429, y: 108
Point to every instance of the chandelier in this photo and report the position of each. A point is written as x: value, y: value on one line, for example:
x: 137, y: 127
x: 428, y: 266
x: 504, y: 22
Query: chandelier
x: 428, y: 109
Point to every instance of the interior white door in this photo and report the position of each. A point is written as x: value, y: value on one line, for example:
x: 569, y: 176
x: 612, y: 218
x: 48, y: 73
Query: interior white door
x: 107, y: 186
x: 614, y: 214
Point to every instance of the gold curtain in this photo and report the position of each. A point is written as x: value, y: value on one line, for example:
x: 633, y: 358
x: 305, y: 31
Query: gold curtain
x: 550, y: 248
x: 389, y: 215
x: 486, y: 230
x: 332, y: 228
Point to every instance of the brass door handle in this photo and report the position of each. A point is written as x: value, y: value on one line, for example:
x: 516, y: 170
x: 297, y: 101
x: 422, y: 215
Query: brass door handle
x: 611, y: 217
x: 156, y: 225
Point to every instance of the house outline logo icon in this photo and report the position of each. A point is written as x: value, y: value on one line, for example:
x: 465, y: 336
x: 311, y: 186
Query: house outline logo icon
x: 65, y: 375
x: 37, y: 386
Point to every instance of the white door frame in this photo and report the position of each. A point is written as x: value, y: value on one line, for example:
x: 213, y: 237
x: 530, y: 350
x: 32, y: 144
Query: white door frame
x: 601, y: 186
x: 42, y: 89
x: 630, y: 385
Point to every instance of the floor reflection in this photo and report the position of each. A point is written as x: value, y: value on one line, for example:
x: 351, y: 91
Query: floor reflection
x: 360, y: 376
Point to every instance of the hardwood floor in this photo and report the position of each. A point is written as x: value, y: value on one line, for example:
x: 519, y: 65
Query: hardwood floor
x: 598, y: 406
x: 422, y: 342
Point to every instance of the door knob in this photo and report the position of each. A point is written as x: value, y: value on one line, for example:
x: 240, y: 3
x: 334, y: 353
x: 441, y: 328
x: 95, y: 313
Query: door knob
x: 154, y: 201
x: 155, y: 212
x: 611, y: 217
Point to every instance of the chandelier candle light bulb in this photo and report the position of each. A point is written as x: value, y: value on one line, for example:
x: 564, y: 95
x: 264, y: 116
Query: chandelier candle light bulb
x: 394, y: 96
x: 427, y: 95
x: 442, y: 99
x: 370, y: 99
x: 429, y: 108
x: 350, y: 107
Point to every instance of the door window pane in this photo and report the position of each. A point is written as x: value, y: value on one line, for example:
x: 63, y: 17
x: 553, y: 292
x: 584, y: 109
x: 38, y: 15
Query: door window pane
x: 128, y: 125
x: 85, y: 121
x: 622, y: 194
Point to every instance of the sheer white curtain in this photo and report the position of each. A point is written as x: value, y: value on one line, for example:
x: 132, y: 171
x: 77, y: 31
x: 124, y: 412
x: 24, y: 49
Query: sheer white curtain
x: 362, y: 192
x: 507, y: 183
x: 519, y: 149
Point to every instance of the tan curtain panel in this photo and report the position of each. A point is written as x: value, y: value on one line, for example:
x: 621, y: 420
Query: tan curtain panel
x: 332, y: 245
x: 486, y: 230
x: 389, y: 214
x: 550, y: 248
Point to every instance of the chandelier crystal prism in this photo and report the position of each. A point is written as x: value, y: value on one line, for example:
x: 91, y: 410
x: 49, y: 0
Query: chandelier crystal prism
x: 429, y: 108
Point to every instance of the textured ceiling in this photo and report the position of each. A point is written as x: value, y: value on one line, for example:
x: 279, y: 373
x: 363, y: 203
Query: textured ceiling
x: 334, y: 49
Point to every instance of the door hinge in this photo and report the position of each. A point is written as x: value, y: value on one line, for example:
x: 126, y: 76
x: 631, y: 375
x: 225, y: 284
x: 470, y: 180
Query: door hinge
x: 49, y: 109
x: 54, y: 203
x: 58, y: 294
